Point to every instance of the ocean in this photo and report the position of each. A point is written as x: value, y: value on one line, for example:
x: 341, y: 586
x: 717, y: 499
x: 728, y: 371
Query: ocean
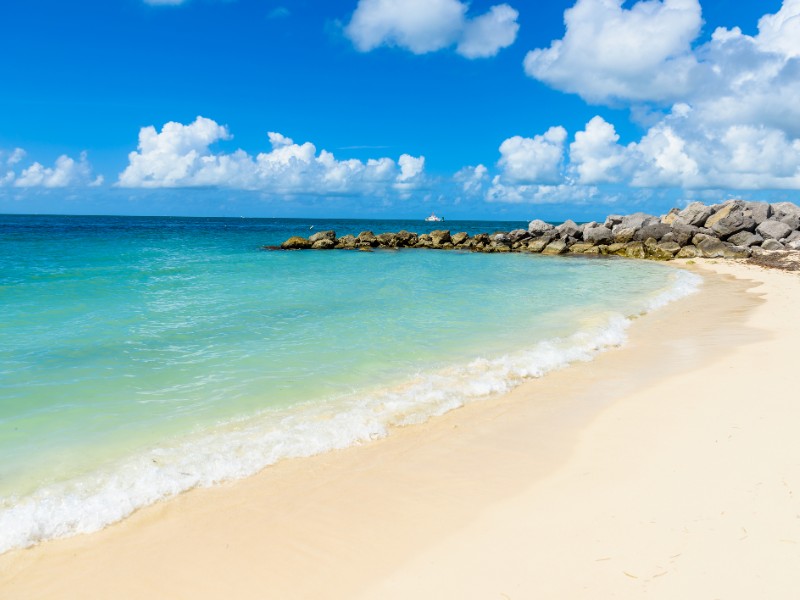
x: 143, y: 356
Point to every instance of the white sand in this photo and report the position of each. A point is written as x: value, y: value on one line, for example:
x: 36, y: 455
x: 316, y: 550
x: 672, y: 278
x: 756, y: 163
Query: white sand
x: 667, y: 469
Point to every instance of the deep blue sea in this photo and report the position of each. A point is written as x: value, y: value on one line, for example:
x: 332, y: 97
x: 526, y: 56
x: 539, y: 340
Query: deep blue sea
x: 141, y: 357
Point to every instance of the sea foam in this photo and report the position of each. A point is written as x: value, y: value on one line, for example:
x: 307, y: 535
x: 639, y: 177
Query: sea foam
x: 240, y: 448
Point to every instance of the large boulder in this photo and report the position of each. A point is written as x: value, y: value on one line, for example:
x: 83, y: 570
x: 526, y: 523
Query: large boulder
x: 760, y: 211
x: 612, y: 220
x: 623, y: 235
x: 687, y: 252
x: 518, y: 235
x: 555, y: 247
x: 324, y: 244
x: 460, y: 238
x: 538, y: 227
x: 599, y: 234
x: 424, y: 241
x: 695, y: 214
x: 683, y: 233
x: 669, y: 218
x: 730, y: 218
x: 405, y: 238
x: 538, y: 244
x: 653, y: 230
x: 440, y: 237
x: 581, y: 247
x: 366, y: 238
x: 323, y: 235
x: 346, y: 241
x: 781, y: 210
x: 296, y: 243
x: 568, y: 229
x: 387, y: 240
x: 713, y: 248
x: 635, y: 250
x: 746, y: 239
x: 637, y: 220
x: 773, y: 230
x: 772, y: 245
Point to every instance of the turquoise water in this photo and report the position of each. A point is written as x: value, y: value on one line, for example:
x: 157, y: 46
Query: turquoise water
x: 140, y: 357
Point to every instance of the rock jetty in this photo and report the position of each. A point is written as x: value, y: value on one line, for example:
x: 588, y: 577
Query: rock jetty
x: 733, y: 229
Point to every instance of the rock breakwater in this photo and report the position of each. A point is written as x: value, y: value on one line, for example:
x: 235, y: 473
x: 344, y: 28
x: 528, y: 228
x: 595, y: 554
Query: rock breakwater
x: 733, y: 229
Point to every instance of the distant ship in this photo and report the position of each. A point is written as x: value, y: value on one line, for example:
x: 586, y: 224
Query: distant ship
x: 433, y: 218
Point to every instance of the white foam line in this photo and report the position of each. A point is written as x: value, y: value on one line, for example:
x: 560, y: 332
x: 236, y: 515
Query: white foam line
x: 240, y: 449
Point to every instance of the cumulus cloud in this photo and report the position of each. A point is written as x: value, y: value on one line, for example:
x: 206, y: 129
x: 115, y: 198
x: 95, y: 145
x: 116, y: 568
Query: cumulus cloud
x: 533, y: 160
x: 423, y: 26
x: 610, y: 52
x: 722, y: 114
x: 66, y: 172
x: 181, y: 156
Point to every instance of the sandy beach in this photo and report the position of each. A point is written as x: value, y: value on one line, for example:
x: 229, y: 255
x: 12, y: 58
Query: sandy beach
x: 669, y: 468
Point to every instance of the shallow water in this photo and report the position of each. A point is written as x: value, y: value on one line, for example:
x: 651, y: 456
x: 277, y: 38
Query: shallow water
x: 140, y: 357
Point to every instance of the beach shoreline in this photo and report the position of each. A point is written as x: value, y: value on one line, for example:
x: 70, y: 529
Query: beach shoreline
x: 407, y: 515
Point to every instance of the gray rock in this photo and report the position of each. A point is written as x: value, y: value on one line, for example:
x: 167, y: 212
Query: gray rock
x: 773, y: 230
x: 623, y: 235
x: 323, y: 235
x: 635, y: 250
x: 555, y: 247
x: 612, y: 220
x: 683, y: 233
x: 346, y: 241
x: 793, y: 237
x: 501, y: 239
x: 729, y: 219
x: 366, y: 238
x: 695, y: 214
x: 599, y: 234
x: 568, y: 229
x: 461, y: 237
x: 296, y: 243
x: 324, y: 244
x: 539, y: 244
x: 387, y: 239
x: 687, y: 252
x: 793, y: 245
x: 637, y: 221
x: 537, y: 227
x: 760, y: 211
x: 772, y: 244
x: 792, y: 221
x: 783, y: 209
x: 581, y: 247
x: 440, y: 237
x: 669, y: 218
x: 746, y: 239
x: 653, y: 230
x: 713, y: 248
x: 618, y: 249
x: 406, y: 238
x: 518, y: 235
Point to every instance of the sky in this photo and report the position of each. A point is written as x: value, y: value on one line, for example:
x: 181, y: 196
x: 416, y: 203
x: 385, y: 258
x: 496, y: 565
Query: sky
x: 396, y: 108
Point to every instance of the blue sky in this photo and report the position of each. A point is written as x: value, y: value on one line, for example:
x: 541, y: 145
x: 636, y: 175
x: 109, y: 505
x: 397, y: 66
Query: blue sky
x: 471, y: 109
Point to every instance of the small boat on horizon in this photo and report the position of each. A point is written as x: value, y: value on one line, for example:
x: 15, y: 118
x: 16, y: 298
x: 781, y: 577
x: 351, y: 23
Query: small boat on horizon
x: 433, y: 218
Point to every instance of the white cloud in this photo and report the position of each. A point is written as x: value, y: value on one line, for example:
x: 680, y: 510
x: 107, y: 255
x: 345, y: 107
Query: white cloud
x: 180, y: 156
x: 611, y: 52
x: 472, y: 179
x: 66, y: 172
x: 533, y: 160
x: 485, y: 35
x: 423, y: 26
x: 723, y: 114
x: 781, y: 32
x: 595, y: 155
